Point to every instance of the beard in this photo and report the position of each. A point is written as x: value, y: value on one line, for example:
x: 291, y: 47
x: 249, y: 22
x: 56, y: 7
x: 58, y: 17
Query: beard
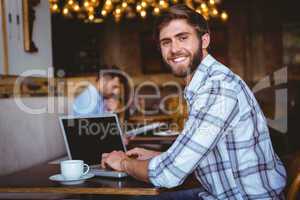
x: 192, y: 66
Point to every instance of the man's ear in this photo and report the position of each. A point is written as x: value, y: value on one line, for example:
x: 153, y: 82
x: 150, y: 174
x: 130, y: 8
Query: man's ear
x: 205, y: 40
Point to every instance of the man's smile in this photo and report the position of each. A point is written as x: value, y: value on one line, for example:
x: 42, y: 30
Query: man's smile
x: 179, y: 59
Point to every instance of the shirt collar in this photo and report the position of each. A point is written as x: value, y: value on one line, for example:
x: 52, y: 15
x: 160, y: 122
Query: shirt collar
x: 199, y: 75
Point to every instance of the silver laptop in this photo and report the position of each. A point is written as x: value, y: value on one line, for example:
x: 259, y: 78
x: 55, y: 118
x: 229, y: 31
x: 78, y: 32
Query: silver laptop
x: 87, y: 137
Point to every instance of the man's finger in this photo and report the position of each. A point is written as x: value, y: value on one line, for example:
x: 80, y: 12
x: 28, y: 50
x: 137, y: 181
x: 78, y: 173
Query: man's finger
x: 104, y: 155
x: 133, y: 151
x: 103, y: 161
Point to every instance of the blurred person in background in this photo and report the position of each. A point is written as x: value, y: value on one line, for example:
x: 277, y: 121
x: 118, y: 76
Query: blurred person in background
x: 101, y: 98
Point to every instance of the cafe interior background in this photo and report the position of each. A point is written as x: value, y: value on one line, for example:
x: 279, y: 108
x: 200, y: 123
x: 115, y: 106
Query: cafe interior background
x: 68, y: 40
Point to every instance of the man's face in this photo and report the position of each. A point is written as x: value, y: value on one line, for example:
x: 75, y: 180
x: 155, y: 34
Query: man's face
x: 111, y: 86
x: 180, y: 47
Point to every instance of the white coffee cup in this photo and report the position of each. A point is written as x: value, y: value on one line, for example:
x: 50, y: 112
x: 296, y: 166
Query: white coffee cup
x: 73, y: 169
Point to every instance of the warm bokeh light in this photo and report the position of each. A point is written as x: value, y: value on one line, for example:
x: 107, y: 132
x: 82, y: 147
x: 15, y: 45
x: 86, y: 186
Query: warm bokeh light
x: 54, y: 7
x: 86, y: 4
x: 91, y: 17
x: 224, y: 16
x: 76, y: 7
x: 138, y: 8
x: 124, y: 5
x: 156, y: 10
x: 203, y: 6
x: 103, y: 12
x: 144, y: 4
x: 118, y: 11
x: 162, y: 3
x: 94, y: 9
x: 212, y: 2
x: 108, y: 2
x: 143, y: 13
x: 71, y: 2
x: 65, y: 11
x: 215, y: 12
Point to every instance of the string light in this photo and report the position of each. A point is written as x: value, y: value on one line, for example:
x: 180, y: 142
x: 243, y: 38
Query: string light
x: 143, y: 13
x: 156, y: 11
x: 144, y: 4
x: 124, y: 5
x: 203, y: 6
x: 54, y: 8
x: 91, y: 17
x: 103, y: 12
x: 86, y: 4
x: 212, y: 2
x: 108, y: 2
x: 215, y: 12
x: 91, y: 9
x: 76, y: 7
x: 70, y: 2
x: 65, y: 11
x: 118, y: 11
x: 224, y: 16
x: 138, y: 8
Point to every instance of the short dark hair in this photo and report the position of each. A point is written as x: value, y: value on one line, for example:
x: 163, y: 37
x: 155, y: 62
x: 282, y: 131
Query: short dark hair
x: 180, y: 11
x: 109, y: 71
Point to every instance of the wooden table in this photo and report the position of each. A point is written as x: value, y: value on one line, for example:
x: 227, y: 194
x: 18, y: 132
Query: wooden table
x: 36, y: 180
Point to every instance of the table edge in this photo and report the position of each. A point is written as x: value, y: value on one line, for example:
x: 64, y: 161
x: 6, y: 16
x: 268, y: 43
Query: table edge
x: 81, y: 190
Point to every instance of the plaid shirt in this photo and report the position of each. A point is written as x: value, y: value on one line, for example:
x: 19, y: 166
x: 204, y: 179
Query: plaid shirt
x: 225, y: 141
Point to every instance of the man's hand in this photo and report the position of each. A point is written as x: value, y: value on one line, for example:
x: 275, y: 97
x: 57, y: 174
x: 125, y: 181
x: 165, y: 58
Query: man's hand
x: 113, y: 160
x: 103, y: 157
x: 119, y: 161
x: 142, y: 154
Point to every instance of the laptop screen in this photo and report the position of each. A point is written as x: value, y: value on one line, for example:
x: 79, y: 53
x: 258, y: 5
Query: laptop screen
x: 89, y: 137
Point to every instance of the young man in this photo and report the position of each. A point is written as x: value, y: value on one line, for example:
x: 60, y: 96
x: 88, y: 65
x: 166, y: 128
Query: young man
x: 225, y: 141
x: 99, y: 99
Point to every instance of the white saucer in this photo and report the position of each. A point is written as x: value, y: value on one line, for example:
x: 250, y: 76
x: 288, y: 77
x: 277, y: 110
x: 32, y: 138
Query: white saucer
x: 166, y: 133
x: 62, y: 180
